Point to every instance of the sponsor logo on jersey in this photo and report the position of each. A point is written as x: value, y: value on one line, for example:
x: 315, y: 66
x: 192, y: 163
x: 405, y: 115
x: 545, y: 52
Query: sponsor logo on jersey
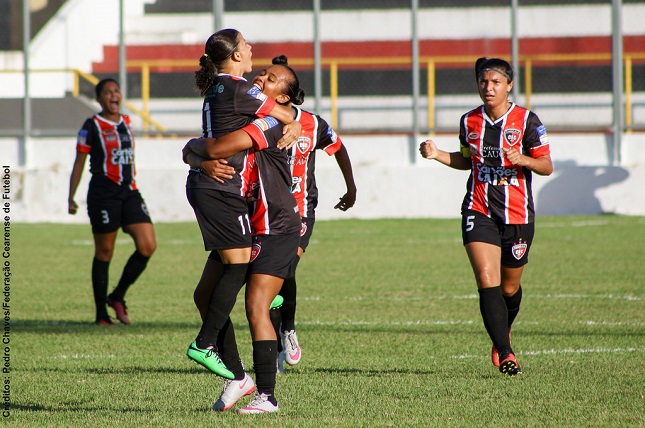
x: 519, y: 249
x: 295, y: 184
x: 332, y: 135
x: 297, y: 160
x: 512, y: 136
x: 255, y: 250
x: 473, y: 136
x: 123, y: 156
x: 303, y: 229
x: 255, y: 92
x: 490, y: 152
x: 542, y: 135
x: 304, y: 144
x: 110, y: 135
x: 266, y: 123
x: 217, y: 89
x: 82, y: 136
x: 497, y: 175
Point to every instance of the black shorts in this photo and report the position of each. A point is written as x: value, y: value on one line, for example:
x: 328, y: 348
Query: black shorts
x: 223, y: 218
x: 273, y: 254
x: 514, y: 239
x: 306, y: 231
x: 111, y: 206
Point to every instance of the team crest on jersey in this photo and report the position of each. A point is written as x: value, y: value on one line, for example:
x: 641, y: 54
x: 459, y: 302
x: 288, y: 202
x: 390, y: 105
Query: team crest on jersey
x: 144, y: 208
x: 512, y: 136
x: 304, y: 144
x: 519, y: 249
x: 255, y: 250
x: 303, y: 229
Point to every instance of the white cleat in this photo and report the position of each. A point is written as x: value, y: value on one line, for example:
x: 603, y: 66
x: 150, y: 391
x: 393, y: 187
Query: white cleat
x: 292, y: 352
x: 234, y: 390
x: 260, y: 404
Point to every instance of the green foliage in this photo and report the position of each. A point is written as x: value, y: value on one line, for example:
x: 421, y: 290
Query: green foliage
x: 388, y: 320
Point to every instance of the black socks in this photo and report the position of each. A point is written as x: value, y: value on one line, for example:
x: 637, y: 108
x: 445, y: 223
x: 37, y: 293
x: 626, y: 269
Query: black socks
x: 136, y: 264
x: 288, y: 309
x: 264, y: 359
x: 100, y: 271
x: 513, y: 305
x: 495, y: 315
x: 227, y: 348
x: 221, y: 303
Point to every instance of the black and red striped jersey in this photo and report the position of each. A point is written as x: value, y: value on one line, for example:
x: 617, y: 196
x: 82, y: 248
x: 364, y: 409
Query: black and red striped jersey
x: 230, y: 104
x: 272, y: 207
x: 496, y: 188
x: 316, y: 134
x: 111, y: 148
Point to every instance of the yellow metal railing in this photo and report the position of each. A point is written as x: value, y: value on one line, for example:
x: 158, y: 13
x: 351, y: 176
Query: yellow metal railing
x: 336, y: 64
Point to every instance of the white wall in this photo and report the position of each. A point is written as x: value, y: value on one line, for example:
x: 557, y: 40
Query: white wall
x: 392, y: 180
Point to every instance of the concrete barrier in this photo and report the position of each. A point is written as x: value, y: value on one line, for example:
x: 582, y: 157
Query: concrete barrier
x: 393, y: 180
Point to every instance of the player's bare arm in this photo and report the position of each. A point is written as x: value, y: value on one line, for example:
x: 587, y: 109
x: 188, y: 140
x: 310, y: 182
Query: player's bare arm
x: 456, y: 160
x: 541, y: 165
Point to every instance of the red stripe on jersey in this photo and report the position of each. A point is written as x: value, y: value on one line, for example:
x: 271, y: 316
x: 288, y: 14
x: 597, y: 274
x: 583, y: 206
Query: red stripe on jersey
x: 315, y: 134
x: 299, y: 158
x: 247, y: 177
x: 265, y: 108
x: 517, y: 200
x: 260, y: 211
x: 112, y: 148
x: 256, y: 130
x: 498, y: 188
x: 475, y: 125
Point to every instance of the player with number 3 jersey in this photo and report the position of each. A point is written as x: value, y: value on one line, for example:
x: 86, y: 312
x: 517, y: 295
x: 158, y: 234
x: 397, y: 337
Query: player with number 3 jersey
x: 502, y: 144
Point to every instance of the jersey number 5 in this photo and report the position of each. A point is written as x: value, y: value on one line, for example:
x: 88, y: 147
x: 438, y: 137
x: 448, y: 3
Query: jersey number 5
x: 470, y: 223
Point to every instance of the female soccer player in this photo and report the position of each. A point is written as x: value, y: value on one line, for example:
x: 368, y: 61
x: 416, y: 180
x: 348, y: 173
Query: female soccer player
x: 502, y: 144
x: 316, y: 135
x: 113, y: 200
x: 230, y: 102
x: 276, y: 226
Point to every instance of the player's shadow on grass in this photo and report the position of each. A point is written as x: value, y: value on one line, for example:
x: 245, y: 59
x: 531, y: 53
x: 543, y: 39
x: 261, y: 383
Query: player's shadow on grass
x: 370, y: 372
x: 73, y: 326
x: 82, y: 407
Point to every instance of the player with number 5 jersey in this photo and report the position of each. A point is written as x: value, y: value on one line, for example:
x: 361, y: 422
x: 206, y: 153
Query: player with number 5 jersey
x: 502, y: 144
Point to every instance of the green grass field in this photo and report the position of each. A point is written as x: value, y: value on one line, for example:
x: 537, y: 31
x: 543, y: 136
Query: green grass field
x: 388, y: 321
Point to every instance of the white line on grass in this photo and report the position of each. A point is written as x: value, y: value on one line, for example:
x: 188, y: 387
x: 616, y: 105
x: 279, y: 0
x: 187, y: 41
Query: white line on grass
x: 458, y: 322
x: 576, y: 224
x: 475, y: 296
x: 124, y: 241
x: 563, y: 351
x: 83, y: 356
x: 406, y: 323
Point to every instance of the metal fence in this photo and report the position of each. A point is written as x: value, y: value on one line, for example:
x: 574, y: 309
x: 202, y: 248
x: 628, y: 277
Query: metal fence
x: 403, y: 89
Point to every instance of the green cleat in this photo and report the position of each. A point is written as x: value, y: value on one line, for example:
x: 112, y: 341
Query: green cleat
x: 277, y: 302
x: 210, y: 359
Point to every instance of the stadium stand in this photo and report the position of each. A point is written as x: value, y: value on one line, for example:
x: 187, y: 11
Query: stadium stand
x: 174, y: 82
